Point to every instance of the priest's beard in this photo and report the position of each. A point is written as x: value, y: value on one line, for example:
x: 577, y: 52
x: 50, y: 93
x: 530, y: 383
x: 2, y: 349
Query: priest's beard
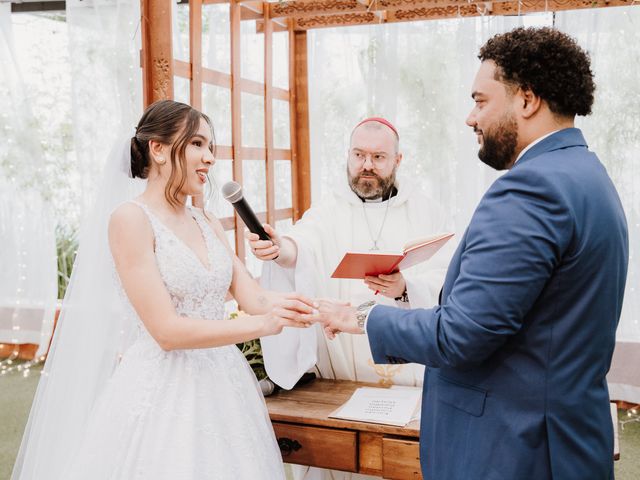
x: 498, y: 148
x: 371, y: 186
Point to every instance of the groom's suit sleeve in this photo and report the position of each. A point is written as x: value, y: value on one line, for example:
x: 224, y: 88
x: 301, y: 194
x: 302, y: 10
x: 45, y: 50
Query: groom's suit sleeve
x: 514, y: 242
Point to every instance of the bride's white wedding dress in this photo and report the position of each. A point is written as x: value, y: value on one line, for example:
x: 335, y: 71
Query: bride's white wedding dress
x: 186, y: 414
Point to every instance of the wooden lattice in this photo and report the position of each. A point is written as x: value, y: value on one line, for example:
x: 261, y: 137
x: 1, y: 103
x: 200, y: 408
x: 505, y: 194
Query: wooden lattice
x: 159, y: 70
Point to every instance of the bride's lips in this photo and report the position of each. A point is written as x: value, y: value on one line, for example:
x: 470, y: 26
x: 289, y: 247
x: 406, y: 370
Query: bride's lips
x: 202, y: 174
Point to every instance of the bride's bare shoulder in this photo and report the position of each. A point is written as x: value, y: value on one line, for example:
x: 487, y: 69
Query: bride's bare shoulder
x: 129, y: 220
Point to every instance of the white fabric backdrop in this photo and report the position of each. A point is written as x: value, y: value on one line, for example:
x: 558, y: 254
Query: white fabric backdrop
x: 28, y: 277
x: 104, y: 43
x: 419, y: 76
x: 613, y: 131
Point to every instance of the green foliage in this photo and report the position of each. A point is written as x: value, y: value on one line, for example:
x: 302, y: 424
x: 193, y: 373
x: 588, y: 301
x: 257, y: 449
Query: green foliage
x: 66, y: 247
x: 252, y: 351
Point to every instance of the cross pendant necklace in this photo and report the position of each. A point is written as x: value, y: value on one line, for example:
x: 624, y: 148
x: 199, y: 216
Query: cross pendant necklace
x: 384, y: 219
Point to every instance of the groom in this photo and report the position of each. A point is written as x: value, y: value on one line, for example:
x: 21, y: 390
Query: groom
x: 520, y: 345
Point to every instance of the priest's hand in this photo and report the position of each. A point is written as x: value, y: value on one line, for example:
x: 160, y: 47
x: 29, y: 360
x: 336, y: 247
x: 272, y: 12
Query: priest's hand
x: 281, y: 249
x: 264, y: 249
x: 391, y: 286
x: 335, y: 316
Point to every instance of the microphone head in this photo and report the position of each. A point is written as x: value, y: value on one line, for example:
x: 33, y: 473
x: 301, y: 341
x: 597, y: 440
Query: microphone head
x: 232, y: 191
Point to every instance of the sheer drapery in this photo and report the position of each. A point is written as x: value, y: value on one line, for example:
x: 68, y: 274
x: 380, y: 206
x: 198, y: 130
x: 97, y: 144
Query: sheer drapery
x: 613, y: 132
x: 28, y: 278
x: 93, y: 330
x: 104, y: 43
x: 419, y: 76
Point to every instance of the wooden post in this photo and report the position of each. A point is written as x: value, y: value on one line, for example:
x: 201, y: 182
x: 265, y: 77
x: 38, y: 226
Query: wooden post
x: 299, y: 118
x: 292, y: 122
x: 236, y: 114
x: 268, y: 117
x: 157, y: 53
x: 195, y: 53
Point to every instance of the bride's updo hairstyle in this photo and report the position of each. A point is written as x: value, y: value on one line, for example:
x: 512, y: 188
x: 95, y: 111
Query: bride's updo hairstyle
x: 171, y: 123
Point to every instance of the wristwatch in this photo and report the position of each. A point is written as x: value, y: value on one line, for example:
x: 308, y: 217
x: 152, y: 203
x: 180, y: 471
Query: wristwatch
x: 403, y: 298
x: 362, y: 311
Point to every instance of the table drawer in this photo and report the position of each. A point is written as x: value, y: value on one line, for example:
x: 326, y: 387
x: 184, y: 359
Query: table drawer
x: 400, y: 459
x: 316, y: 446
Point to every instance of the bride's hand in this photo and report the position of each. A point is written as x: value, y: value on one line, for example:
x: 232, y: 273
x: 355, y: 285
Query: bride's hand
x: 288, y: 311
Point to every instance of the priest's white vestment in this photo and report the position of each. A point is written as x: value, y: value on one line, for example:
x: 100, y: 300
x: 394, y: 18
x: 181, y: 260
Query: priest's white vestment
x: 343, y: 222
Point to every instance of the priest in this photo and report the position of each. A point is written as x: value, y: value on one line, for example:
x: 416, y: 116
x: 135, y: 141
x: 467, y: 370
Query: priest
x: 369, y: 209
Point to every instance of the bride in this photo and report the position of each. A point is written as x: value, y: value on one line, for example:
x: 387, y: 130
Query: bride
x: 144, y: 380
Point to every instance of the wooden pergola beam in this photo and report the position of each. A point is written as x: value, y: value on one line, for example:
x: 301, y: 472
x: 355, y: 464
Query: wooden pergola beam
x: 311, y: 14
x: 252, y: 10
x: 312, y: 8
x: 306, y: 8
x: 44, y: 6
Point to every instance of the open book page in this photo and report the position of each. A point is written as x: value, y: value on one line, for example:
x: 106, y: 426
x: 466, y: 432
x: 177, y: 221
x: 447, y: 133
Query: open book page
x: 360, y: 264
x: 388, y: 406
x: 413, y: 244
x: 422, y: 251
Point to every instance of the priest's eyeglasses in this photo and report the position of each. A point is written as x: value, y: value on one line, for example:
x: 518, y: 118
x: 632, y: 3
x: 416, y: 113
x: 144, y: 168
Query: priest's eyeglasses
x: 378, y: 159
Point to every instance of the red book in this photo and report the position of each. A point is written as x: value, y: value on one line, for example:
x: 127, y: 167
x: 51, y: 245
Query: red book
x: 373, y: 263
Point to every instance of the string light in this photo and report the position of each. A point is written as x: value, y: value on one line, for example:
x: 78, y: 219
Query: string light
x: 8, y: 366
x: 633, y: 416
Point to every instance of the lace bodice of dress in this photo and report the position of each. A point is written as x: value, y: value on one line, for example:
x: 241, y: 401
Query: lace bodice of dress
x: 196, y: 290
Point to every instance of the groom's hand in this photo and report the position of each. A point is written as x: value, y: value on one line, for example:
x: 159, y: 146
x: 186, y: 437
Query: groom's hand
x: 335, y: 316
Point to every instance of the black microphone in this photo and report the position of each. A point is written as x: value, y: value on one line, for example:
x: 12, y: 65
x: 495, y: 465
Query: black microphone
x: 232, y: 192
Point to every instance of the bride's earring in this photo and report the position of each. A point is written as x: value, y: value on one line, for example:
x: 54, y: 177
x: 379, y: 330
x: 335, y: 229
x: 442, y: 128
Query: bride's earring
x: 160, y: 160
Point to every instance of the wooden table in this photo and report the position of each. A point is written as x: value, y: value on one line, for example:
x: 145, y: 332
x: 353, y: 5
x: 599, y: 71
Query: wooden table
x: 307, y: 435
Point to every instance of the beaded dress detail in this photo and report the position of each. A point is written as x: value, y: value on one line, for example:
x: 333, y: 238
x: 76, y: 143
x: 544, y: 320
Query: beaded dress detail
x: 184, y: 414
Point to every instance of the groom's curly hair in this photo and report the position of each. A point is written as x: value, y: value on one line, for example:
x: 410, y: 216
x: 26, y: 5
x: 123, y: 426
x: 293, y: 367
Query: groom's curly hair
x: 547, y: 62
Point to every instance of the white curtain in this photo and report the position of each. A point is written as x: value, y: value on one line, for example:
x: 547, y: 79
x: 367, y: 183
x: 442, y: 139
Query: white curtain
x: 104, y: 43
x: 611, y: 36
x: 419, y: 75
x: 28, y: 273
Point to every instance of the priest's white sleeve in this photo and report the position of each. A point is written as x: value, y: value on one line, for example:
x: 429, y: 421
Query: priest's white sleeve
x: 294, y: 352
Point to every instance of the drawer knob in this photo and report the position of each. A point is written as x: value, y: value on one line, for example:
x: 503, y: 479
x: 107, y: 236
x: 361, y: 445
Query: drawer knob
x: 288, y: 446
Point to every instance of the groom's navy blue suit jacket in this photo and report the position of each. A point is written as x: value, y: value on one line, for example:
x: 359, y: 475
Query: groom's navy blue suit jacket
x: 519, y: 348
